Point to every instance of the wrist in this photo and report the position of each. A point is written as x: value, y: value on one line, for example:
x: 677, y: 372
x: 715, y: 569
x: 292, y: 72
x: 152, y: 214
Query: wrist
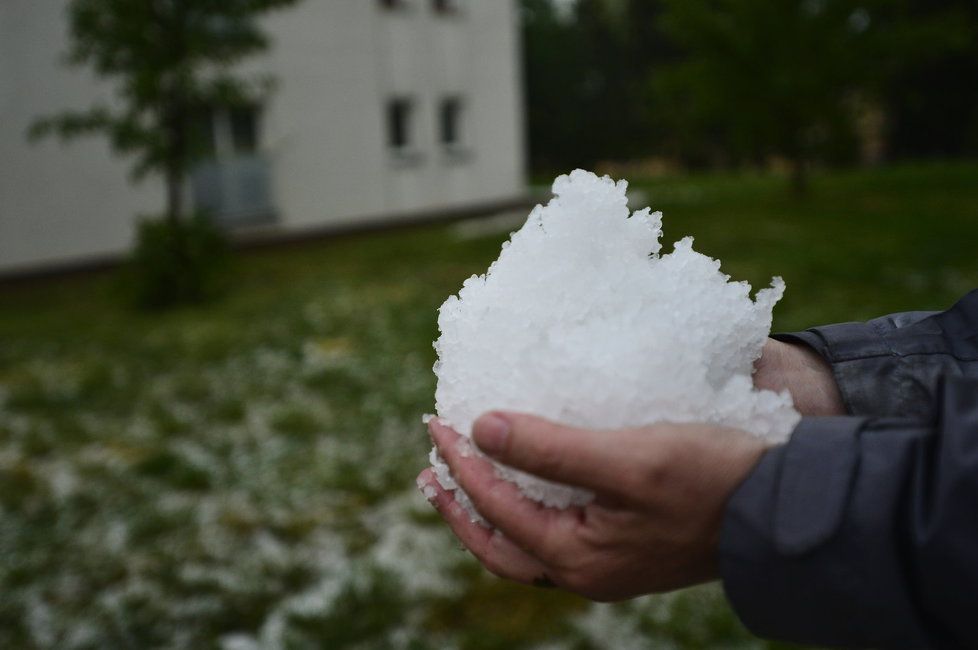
x: 801, y: 371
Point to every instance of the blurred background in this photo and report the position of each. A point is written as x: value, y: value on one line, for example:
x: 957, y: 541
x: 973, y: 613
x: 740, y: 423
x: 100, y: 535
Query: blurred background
x: 226, y: 227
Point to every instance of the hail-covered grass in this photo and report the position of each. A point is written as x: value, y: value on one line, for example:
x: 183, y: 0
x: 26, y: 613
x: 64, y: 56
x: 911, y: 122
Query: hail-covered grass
x: 241, y: 476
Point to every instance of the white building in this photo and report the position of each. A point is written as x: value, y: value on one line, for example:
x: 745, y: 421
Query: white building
x: 384, y: 110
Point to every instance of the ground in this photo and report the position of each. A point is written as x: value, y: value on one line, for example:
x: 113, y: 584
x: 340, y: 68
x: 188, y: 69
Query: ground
x: 241, y: 476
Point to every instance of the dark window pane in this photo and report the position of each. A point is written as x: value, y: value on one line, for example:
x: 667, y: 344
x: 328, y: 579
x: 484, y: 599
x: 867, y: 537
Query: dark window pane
x: 244, y: 129
x: 399, y: 123
x: 450, y: 117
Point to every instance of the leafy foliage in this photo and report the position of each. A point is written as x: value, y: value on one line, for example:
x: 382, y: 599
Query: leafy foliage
x: 177, y: 262
x: 933, y: 107
x: 172, y: 60
x: 585, y: 80
x: 787, y: 78
x: 732, y: 82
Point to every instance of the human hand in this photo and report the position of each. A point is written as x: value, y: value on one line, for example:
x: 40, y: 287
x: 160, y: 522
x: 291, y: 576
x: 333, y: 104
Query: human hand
x: 653, y: 526
x: 804, y: 374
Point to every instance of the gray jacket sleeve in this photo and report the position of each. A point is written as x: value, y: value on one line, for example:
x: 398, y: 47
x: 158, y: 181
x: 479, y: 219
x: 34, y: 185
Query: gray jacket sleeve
x: 862, y: 531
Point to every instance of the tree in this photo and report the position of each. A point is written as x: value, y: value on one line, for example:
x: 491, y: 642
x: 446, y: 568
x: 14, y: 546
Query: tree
x: 786, y: 78
x: 764, y: 77
x: 932, y: 103
x: 554, y: 66
x: 586, y: 69
x: 171, y: 59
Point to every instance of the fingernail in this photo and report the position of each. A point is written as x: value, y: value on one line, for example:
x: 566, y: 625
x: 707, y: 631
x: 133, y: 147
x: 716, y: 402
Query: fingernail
x: 433, y: 423
x: 491, y: 432
x: 427, y: 489
x: 431, y: 428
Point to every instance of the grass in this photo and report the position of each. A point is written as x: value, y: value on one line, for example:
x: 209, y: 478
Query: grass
x: 241, y: 476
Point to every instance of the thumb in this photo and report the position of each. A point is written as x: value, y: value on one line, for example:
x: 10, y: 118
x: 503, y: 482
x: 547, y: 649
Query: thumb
x: 602, y: 461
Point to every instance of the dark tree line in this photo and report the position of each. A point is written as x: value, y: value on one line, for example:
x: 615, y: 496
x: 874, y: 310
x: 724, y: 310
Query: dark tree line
x: 732, y: 82
x: 933, y: 101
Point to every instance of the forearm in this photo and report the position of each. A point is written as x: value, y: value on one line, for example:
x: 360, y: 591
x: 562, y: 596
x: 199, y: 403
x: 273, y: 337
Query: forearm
x: 797, y: 368
x: 862, y: 532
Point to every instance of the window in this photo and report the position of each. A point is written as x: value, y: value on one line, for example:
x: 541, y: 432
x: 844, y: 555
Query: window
x: 244, y: 129
x: 450, y: 114
x: 393, y: 4
x: 222, y: 133
x: 447, y: 6
x: 400, y: 112
x: 232, y: 180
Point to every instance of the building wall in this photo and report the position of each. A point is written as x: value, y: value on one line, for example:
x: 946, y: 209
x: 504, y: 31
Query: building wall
x: 58, y: 201
x: 337, y: 64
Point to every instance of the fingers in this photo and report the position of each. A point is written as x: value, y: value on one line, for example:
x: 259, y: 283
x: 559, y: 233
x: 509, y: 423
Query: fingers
x: 540, y: 530
x: 603, y: 461
x: 497, y: 553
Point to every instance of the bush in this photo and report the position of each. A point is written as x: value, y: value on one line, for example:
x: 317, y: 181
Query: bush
x: 178, y: 263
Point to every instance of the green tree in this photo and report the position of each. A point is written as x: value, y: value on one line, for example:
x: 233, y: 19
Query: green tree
x: 586, y: 69
x: 764, y: 77
x: 932, y: 102
x: 787, y: 77
x: 171, y: 59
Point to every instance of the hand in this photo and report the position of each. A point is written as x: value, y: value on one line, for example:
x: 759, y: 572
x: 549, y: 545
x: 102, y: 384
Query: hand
x: 801, y: 371
x: 653, y: 526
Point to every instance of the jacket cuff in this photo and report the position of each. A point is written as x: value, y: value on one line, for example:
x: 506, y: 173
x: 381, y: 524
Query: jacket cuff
x: 784, y: 569
x: 841, y: 342
x: 871, y: 377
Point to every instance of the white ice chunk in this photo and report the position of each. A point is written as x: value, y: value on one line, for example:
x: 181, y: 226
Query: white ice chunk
x: 582, y: 321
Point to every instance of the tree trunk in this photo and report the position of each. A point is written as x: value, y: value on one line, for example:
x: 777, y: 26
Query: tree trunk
x: 175, y: 174
x: 174, y: 193
x: 175, y: 115
x: 176, y: 163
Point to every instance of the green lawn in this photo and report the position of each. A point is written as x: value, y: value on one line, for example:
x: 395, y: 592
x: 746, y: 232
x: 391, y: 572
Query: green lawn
x: 242, y: 476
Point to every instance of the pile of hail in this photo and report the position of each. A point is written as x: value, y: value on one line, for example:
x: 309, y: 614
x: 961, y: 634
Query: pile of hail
x: 582, y: 321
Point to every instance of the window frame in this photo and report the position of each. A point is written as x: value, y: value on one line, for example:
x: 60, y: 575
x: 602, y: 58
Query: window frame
x: 458, y: 149
x: 403, y: 150
x: 451, y: 122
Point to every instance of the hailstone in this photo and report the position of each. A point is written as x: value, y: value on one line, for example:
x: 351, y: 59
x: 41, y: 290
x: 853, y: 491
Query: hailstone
x: 582, y: 321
